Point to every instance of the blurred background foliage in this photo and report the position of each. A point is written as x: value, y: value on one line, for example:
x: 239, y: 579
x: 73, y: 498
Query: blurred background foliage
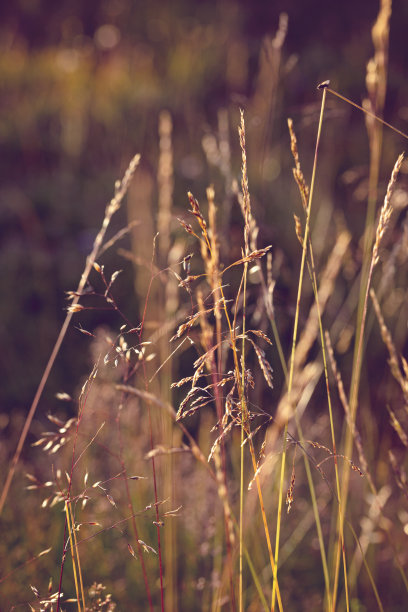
x: 81, y: 89
x: 82, y: 86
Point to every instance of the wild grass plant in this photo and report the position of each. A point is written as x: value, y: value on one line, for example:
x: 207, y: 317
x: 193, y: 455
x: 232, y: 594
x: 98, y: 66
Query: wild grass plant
x: 209, y: 460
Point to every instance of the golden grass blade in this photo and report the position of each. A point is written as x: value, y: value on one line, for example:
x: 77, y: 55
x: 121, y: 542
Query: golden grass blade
x: 291, y: 369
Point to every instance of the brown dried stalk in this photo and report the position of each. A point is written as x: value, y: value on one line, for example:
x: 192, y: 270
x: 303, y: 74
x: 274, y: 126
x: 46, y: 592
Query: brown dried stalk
x: 297, y: 172
x: 311, y: 329
x: 246, y: 201
x: 346, y: 407
x: 400, y: 376
x: 386, y: 210
x: 165, y: 181
x: 381, y: 228
x: 289, y: 493
x: 258, y: 254
x: 263, y: 362
x: 298, y: 229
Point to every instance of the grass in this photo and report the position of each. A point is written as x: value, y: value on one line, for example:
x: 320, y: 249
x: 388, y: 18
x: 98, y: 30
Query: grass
x: 163, y: 484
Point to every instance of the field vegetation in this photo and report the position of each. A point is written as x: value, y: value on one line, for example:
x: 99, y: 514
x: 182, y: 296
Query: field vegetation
x: 205, y: 398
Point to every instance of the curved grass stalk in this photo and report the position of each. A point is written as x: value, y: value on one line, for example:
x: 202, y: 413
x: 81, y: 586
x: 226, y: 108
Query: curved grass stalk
x: 121, y: 188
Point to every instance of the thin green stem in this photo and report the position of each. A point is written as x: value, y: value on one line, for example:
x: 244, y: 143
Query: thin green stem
x: 329, y: 403
x: 243, y: 425
x: 367, y: 112
x: 292, y: 360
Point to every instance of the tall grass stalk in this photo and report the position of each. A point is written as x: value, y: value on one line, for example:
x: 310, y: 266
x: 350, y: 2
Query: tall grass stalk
x: 130, y: 503
x: 244, y: 416
x: 292, y: 359
x: 69, y: 526
x: 312, y: 273
x: 149, y: 417
x: 245, y: 425
x: 211, y: 258
x: 368, y: 265
x: 233, y: 338
x: 76, y: 564
x: 216, y: 336
x: 341, y: 544
x: 376, y: 80
x: 165, y: 182
x: 121, y: 188
x: 337, y: 254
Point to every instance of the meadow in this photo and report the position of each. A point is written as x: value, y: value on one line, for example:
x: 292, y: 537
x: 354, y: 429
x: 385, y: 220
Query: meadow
x: 205, y: 399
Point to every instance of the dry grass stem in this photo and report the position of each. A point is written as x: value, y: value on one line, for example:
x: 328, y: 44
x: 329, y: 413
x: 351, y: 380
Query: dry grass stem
x: 386, y: 209
x: 206, y: 410
x: 121, y: 188
x: 399, y: 374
